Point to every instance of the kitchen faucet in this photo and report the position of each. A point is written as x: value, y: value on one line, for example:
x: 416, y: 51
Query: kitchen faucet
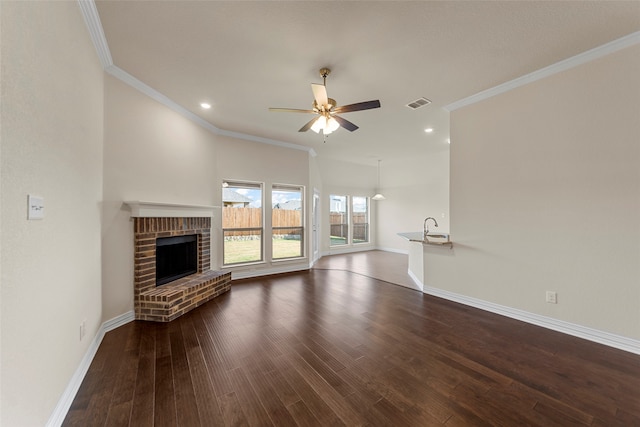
x: 426, y: 227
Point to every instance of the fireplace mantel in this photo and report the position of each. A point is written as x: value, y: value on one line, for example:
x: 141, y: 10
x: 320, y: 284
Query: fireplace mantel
x: 140, y: 209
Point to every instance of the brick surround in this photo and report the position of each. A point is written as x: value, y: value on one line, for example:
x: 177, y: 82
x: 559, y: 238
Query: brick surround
x: 166, y: 302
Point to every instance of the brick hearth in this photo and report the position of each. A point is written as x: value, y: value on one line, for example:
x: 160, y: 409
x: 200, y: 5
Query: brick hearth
x: 166, y: 302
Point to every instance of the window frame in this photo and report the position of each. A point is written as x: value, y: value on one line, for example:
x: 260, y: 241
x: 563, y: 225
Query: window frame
x: 347, y: 213
x: 350, y: 224
x: 300, y: 189
x: 261, y: 230
x: 367, y: 222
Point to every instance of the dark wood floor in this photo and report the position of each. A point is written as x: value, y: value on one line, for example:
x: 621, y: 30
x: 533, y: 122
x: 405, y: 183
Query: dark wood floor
x: 332, y: 347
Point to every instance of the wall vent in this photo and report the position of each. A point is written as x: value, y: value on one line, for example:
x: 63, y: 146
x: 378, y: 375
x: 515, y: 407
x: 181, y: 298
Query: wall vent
x: 420, y: 102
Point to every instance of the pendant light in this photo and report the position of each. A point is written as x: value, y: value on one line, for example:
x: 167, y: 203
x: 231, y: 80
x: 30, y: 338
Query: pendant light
x: 378, y: 196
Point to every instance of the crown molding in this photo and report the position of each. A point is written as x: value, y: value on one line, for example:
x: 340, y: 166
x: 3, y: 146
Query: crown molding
x: 152, y: 93
x: 135, y: 83
x: 589, y: 55
x: 263, y: 140
x: 94, y: 25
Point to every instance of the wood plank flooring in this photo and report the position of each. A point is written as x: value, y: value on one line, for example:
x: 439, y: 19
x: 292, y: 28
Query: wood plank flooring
x: 336, y: 346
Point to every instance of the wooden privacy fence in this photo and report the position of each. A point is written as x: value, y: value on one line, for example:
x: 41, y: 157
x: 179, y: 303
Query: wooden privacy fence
x: 248, y: 218
x: 252, y: 218
x: 339, y: 225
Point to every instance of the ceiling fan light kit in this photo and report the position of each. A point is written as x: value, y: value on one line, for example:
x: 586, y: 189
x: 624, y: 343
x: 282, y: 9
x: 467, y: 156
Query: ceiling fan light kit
x: 326, y: 125
x: 326, y: 109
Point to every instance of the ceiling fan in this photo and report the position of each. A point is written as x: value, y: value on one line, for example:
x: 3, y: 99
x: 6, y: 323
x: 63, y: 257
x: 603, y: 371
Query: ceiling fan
x: 326, y: 109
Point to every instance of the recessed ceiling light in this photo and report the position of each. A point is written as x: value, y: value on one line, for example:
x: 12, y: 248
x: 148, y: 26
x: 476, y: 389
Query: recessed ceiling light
x: 428, y: 130
x: 448, y: 141
x: 205, y: 105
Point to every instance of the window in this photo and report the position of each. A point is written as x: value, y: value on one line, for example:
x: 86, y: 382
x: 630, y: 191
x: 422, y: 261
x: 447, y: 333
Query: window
x: 242, y: 222
x: 286, y: 219
x: 349, y: 220
x: 338, y: 220
x: 360, y: 219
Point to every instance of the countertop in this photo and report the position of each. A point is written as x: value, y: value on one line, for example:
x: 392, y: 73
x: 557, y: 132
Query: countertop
x: 418, y: 237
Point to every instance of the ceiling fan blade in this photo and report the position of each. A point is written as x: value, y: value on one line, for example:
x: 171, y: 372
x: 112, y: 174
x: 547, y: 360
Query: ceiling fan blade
x: 320, y: 94
x: 290, y: 110
x: 367, y: 105
x: 345, y: 123
x: 309, y: 124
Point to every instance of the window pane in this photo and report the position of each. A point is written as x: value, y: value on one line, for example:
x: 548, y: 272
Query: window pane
x: 287, y: 242
x: 242, y: 223
x: 360, y: 219
x: 287, y: 210
x: 338, y: 220
x: 242, y: 246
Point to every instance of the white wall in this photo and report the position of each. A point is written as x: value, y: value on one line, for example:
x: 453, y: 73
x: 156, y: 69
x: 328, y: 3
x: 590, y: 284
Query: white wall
x: 151, y: 154
x: 545, y: 195
x: 351, y: 179
x: 1, y: 139
x: 154, y: 154
x: 415, y: 188
x: 415, y: 184
x: 51, y: 136
x: 269, y: 164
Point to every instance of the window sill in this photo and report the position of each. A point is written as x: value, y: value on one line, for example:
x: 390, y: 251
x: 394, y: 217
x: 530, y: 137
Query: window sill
x: 294, y: 259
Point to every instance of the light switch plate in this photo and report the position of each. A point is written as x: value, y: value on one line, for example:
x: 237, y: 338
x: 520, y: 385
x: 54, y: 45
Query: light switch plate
x: 35, y: 209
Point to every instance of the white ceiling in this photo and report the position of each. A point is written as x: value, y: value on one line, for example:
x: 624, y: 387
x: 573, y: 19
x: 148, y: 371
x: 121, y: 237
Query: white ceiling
x: 246, y: 56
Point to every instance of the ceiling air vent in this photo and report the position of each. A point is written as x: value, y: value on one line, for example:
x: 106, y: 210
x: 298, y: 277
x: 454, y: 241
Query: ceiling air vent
x: 420, y: 102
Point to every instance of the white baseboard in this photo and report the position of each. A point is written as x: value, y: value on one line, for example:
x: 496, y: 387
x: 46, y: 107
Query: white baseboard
x: 246, y: 274
x: 61, y: 409
x: 338, y: 250
x: 600, y: 337
x: 118, y: 321
x: 398, y: 251
x: 415, y: 279
x: 258, y: 272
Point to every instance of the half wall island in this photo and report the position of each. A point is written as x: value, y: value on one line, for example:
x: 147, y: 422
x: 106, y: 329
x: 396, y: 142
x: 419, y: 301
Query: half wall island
x: 425, y: 248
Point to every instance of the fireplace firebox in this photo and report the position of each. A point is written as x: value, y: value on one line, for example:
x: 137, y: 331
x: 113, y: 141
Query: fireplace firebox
x: 176, y: 257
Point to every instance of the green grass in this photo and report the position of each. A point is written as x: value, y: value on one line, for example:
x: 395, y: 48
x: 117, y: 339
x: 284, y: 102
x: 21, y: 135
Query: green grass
x: 335, y: 240
x: 239, y: 251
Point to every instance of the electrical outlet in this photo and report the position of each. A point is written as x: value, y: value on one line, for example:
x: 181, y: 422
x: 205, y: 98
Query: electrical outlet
x: 552, y: 297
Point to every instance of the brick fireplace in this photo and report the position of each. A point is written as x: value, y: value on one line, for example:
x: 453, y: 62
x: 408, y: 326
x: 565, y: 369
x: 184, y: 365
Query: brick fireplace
x: 169, y: 301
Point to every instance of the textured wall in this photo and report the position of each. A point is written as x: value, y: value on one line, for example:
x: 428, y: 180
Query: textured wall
x: 545, y: 195
x: 52, y: 123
